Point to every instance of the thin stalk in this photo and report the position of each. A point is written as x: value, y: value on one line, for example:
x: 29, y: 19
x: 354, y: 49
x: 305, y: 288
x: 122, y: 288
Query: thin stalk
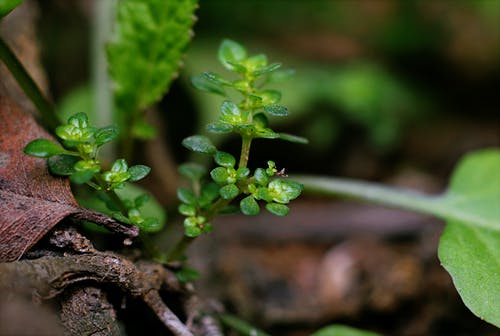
x: 373, y: 193
x: 246, y: 142
x: 29, y: 86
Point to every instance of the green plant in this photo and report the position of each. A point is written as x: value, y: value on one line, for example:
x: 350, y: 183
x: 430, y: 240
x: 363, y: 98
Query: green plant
x: 232, y: 180
x: 79, y: 160
x: 469, y: 247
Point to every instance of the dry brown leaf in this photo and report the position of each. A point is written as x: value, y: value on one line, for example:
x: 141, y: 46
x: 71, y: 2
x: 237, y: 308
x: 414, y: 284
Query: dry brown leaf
x: 31, y: 200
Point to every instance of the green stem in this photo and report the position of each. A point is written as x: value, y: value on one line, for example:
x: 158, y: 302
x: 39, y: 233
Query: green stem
x: 246, y: 142
x: 372, y: 192
x: 29, y: 86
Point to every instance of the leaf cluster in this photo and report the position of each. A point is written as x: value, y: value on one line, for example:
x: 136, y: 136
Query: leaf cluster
x: 232, y: 180
x: 77, y: 158
x: 250, y: 116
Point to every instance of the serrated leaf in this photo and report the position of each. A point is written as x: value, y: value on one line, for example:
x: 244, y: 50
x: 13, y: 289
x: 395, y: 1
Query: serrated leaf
x: 230, y: 53
x: 43, y: 148
x: 144, y: 56
x: 276, y: 110
x: 249, y: 206
x: 138, y: 172
x: 200, y: 144
x: 293, y: 138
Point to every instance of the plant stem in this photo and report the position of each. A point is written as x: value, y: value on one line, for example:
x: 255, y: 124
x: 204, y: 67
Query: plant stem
x: 246, y: 142
x: 371, y: 192
x: 29, y: 86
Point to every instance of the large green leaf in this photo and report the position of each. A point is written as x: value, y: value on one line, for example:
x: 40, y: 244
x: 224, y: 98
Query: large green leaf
x: 150, y: 39
x: 472, y: 257
x: 469, y: 252
x: 470, y: 246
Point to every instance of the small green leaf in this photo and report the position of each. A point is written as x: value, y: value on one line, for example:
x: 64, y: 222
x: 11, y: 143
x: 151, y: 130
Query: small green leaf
x: 293, y: 138
x: 202, y: 83
x: 229, y: 191
x: 186, y: 196
x: 216, y: 79
x: 283, y: 191
x: 138, y: 172
x: 261, y: 176
x: 187, y: 210
x: 43, y: 148
x: 192, y: 171
x: 200, y: 144
x: 62, y: 165
x: 340, y: 330
x: 242, y: 173
x: 277, y: 209
x: 119, y: 166
x: 269, y: 97
x: 192, y: 231
x: 261, y: 120
x: 6, y: 6
x: 276, y: 110
x: 220, y: 175
x: 219, y: 127
x: 231, y: 53
x: 224, y: 159
x: 230, y: 113
x: 79, y: 120
x: 249, y: 206
x: 268, y: 69
x: 105, y: 134
x: 82, y: 176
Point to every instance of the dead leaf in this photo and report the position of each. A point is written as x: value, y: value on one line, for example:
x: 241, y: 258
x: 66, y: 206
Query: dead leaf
x: 31, y: 200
